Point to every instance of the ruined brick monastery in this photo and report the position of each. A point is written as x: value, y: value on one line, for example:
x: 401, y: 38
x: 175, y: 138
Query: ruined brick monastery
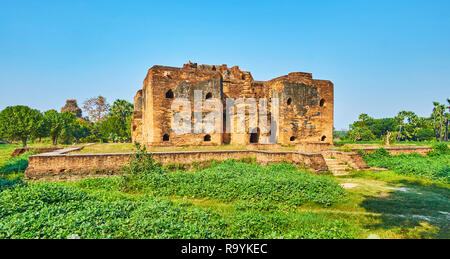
x: 305, y: 114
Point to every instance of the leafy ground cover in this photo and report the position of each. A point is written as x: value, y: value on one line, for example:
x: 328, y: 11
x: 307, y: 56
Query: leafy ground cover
x: 240, y: 200
x: 94, y: 208
x: 11, y: 168
x: 231, y: 180
x: 435, y: 166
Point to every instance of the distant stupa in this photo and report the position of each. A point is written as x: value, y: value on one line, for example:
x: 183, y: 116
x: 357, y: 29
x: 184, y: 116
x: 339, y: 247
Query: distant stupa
x: 71, y: 106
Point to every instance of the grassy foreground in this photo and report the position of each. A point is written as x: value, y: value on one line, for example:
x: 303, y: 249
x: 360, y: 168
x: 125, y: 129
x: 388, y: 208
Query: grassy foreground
x: 435, y: 166
x: 226, y: 200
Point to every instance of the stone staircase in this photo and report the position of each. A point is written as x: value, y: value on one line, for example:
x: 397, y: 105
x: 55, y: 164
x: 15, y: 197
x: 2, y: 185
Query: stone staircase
x: 337, y: 166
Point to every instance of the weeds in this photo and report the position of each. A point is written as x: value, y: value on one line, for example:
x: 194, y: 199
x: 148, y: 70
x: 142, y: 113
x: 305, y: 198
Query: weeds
x: 435, y: 166
x: 231, y: 180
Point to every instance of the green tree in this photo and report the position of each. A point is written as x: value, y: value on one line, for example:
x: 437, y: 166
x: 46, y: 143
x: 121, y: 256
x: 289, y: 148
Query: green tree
x: 406, y: 123
x: 81, y: 129
x: 42, y: 131
x: 435, y: 116
x: 380, y: 127
x: 115, y: 129
x: 68, y: 132
x: 360, y: 133
x: 59, y: 125
x: 122, y: 109
x: 20, y: 123
x: 448, y: 119
x: 359, y: 129
x: 425, y: 134
x: 363, y: 120
x: 439, y: 118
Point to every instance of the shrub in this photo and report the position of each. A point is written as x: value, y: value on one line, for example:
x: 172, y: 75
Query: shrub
x: 435, y: 167
x: 55, y: 211
x: 251, y: 224
x: 231, y: 180
x: 439, y: 149
x: 15, y: 165
x: 7, y: 184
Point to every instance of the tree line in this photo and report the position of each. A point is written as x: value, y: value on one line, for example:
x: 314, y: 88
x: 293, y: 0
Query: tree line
x: 406, y: 126
x: 104, y: 123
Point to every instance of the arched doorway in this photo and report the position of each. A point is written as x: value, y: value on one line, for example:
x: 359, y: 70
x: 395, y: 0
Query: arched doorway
x: 254, y: 136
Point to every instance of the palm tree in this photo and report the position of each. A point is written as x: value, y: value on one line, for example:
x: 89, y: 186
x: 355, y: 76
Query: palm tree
x: 434, y: 115
x: 447, y: 115
x: 400, y: 118
x: 440, y: 113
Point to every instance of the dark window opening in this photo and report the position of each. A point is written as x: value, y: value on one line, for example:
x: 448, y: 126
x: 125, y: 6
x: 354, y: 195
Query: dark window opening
x: 169, y: 94
x: 322, y: 102
x: 208, y: 96
x: 254, y: 136
x: 166, y: 137
x: 292, y: 138
x: 214, y: 68
x: 289, y: 101
x: 207, y: 138
x: 323, y: 138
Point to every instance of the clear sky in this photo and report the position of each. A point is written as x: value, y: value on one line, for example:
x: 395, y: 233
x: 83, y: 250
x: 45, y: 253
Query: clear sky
x: 383, y: 56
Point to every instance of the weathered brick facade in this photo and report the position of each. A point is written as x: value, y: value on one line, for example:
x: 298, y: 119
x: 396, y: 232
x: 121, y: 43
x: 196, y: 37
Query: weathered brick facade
x: 305, y: 113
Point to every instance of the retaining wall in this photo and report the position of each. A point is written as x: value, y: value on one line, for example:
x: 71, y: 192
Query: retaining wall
x: 62, y: 166
x: 398, y: 150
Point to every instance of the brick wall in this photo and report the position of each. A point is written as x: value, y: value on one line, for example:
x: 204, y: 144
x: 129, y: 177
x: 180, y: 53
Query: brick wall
x: 53, y: 166
x: 399, y: 150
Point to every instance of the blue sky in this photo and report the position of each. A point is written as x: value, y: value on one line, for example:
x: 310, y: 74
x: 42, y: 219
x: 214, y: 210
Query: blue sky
x: 383, y: 56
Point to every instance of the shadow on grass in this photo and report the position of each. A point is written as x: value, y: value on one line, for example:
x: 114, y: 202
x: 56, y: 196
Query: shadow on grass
x: 14, y: 166
x: 413, y: 206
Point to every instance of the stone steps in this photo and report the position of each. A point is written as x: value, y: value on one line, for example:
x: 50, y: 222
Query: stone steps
x: 337, y: 167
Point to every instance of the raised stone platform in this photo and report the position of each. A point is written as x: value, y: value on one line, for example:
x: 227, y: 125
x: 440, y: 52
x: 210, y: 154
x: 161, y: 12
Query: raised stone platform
x: 313, y: 147
x: 60, y: 165
x: 19, y: 151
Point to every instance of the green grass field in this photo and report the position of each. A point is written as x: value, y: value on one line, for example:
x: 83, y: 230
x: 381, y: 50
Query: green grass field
x: 128, y: 147
x: 434, y: 166
x: 225, y: 200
